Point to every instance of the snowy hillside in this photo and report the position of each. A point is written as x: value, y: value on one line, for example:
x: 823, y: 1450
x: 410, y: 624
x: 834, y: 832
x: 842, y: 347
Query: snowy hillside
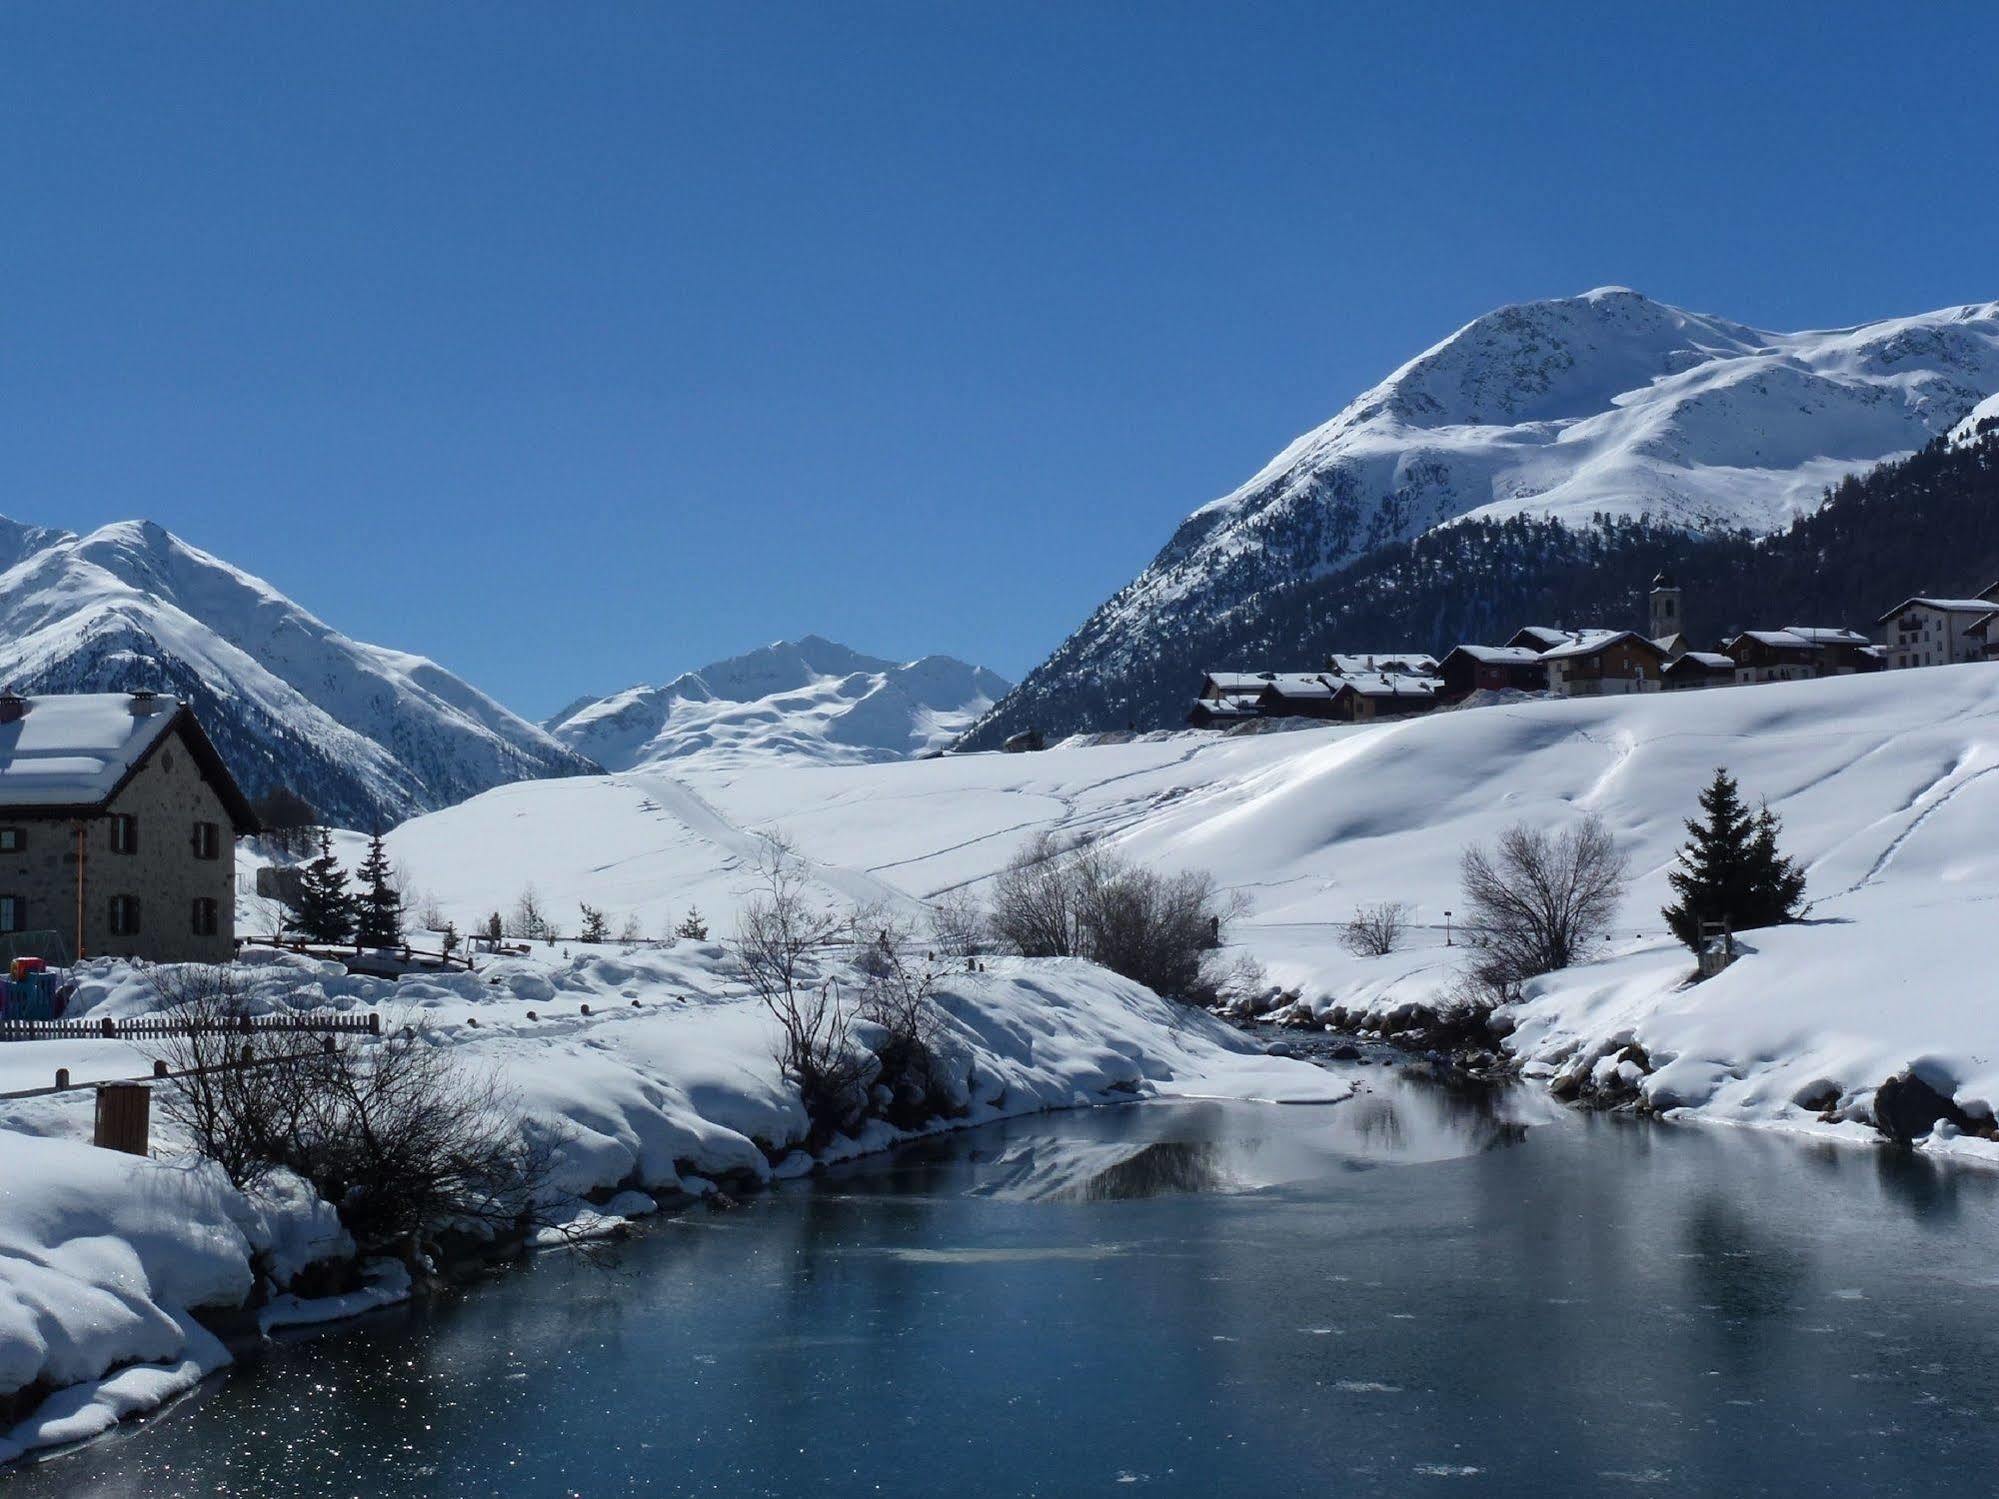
x: 807, y: 700
x: 363, y: 732
x: 1886, y: 785
x: 1603, y: 403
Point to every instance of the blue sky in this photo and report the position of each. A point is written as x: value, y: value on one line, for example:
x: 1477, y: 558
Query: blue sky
x: 579, y: 344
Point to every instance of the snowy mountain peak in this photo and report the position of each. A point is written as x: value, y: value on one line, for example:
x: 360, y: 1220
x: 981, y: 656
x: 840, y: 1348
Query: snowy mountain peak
x: 810, y: 699
x: 365, y: 733
x: 1604, y: 403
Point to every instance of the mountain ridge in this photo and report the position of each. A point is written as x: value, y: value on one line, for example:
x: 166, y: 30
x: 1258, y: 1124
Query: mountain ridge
x: 1608, y: 403
x: 366, y: 733
x: 810, y: 698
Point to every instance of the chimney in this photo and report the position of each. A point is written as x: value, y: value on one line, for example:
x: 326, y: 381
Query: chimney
x: 12, y: 706
x: 143, y: 700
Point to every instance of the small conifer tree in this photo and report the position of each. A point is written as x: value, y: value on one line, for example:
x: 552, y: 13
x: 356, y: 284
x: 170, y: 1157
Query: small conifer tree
x: 1730, y: 868
x: 323, y: 910
x: 594, y: 928
x: 692, y: 927
x: 378, y: 911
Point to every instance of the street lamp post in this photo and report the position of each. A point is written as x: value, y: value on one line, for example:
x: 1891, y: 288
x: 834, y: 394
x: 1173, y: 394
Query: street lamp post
x: 1447, y: 928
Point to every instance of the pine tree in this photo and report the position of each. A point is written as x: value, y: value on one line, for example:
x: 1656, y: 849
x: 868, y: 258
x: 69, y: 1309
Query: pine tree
x: 495, y: 929
x: 448, y: 941
x: 692, y: 927
x: 1730, y: 868
x: 323, y: 911
x: 595, y: 928
x: 378, y: 912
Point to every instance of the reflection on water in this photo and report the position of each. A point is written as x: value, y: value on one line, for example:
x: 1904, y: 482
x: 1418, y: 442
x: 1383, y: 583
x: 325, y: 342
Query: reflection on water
x: 1155, y: 1149
x: 1371, y: 1298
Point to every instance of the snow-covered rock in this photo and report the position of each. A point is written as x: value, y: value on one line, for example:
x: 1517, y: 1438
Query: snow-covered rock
x: 364, y: 732
x: 808, y: 699
x: 1603, y: 403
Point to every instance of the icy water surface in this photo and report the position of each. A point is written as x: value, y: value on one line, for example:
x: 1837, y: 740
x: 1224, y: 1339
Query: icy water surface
x: 1415, y: 1292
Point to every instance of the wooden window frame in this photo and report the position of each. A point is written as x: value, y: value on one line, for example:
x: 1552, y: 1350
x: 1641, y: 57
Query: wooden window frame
x: 213, y: 831
x: 206, y: 906
x: 121, y: 924
x: 19, y: 923
x: 19, y: 837
x: 124, y: 833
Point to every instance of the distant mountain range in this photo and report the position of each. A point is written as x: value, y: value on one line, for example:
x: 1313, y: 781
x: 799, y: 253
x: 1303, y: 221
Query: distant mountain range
x: 807, y: 699
x: 368, y: 735
x: 1607, y: 404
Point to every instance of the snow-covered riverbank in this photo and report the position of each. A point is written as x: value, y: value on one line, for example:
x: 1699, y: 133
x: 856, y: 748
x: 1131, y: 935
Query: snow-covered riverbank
x: 107, y: 1261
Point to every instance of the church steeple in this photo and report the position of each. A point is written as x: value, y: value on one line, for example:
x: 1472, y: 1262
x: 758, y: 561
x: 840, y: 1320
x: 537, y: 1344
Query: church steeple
x: 1666, y: 617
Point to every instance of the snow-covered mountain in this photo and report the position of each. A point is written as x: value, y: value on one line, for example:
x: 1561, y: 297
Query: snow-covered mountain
x: 1605, y: 403
x: 804, y: 699
x: 365, y: 733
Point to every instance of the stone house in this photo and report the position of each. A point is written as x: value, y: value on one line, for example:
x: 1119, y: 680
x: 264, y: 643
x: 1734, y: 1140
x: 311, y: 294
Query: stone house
x: 118, y: 828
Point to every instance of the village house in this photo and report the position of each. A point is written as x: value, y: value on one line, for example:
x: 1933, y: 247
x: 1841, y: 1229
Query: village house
x: 1382, y: 663
x: 1227, y: 697
x: 118, y: 828
x: 1290, y: 694
x: 1605, y: 664
x: 1935, y: 631
x: 1800, y: 653
x: 1362, y: 699
x: 1691, y: 669
x: 1491, y: 668
x: 1986, y: 632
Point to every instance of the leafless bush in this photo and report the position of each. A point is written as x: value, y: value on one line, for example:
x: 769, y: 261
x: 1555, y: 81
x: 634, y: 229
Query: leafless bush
x: 528, y: 919
x: 778, y: 935
x: 1536, y: 902
x: 632, y: 932
x: 958, y: 927
x: 1081, y: 900
x: 396, y: 1132
x: 1376, y: 930
x: 898, y: 994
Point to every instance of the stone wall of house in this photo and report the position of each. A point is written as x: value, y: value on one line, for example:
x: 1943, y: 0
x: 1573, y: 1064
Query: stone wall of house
x: 167, y: 797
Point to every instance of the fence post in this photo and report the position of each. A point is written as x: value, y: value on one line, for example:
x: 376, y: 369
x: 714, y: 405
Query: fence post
x: 109, y: 1028
x: 124, y: 1117
x: 62, y: 1077
x: 374, y: 1022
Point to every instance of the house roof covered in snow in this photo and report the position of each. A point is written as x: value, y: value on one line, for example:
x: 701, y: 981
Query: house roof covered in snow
x: 1944, y: 606
x: 1499, y: 655
x: 1401, y: 663
x: 1300, y: 684
x: 1390, y: 684
x: 1827, y: 635
x: 1589, y: 642
x: 71, y: 753
x: 1706, y: 660
x: 1226, y: 682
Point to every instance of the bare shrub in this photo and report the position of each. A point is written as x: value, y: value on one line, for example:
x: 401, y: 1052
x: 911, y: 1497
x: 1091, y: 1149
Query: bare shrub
x: 631, y: 933
x: 958, y: 927
x: 529, y: 919
x: 1375, y: 930
x: 1060, y: 899
x: 778, y: 935
x: 1536, y: 902
x: 396, y: 1132
x: 898, y: 994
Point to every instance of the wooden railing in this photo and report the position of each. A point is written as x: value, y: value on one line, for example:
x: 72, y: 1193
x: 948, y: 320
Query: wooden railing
x: 341, y: 951
x: 155, y: 1027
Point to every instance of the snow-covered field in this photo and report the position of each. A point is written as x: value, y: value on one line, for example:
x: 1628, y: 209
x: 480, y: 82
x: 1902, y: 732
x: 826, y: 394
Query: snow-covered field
x: 667, y: 1083
x: 1884, y: 784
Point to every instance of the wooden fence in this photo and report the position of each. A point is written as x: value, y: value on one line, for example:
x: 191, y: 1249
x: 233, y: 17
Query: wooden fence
x: 154, y: 1027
